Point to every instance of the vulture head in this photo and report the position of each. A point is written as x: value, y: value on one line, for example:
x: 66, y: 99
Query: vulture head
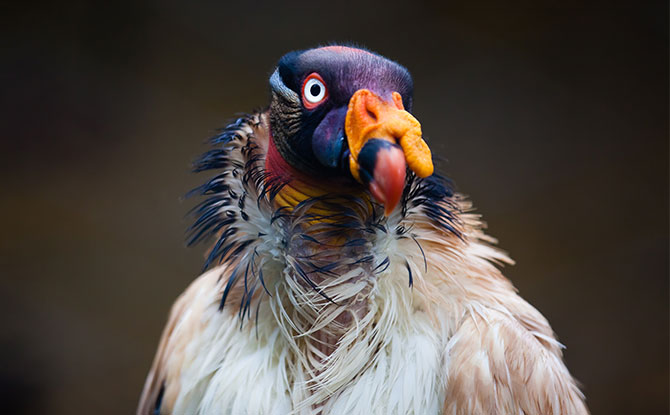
x: 342, y: 116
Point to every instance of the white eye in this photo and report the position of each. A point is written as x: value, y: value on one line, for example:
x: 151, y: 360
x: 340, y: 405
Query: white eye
x: 313, y: 90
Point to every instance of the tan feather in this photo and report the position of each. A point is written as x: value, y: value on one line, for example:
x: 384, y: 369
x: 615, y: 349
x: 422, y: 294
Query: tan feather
x: 184, y: 324
x: 461, y: 341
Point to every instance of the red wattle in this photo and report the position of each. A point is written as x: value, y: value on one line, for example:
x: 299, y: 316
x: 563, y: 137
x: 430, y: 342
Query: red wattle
x: 388, y: 178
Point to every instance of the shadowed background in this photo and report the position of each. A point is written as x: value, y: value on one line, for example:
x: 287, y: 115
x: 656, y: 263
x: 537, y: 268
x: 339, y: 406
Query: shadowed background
x: 552, y: 118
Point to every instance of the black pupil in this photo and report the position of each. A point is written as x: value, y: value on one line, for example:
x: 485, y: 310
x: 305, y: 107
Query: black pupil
x: 315, y: 90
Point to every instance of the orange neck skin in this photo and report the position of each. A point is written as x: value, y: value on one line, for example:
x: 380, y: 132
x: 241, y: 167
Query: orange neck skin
x: 299, y: 186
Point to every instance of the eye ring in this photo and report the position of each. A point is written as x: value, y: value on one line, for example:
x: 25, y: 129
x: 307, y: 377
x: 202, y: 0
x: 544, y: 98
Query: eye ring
x: 314, y: 91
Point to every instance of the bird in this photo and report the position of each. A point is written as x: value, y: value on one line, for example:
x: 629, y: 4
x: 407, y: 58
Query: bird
x: 345, y: 275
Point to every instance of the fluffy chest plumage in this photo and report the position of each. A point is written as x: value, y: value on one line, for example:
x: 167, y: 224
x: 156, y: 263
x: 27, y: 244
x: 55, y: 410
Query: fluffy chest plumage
x: 390, y: 367
x: 327, y: 316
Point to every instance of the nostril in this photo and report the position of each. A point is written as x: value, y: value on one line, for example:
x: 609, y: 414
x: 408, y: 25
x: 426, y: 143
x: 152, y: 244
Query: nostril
x: 369, y: 105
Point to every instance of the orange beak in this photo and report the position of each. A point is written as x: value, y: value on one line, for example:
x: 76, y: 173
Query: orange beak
x: 384, y: 140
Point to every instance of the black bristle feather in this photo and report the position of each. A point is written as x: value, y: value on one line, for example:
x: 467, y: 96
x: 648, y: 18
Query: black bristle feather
x: 247, y: 303
x: 356, y: 242
x: 210, y: 229
x: 159, y: 400
x: 385, y: 263
x: 409, y: 270
x: 366, y: 258
x: 229, y: 284
x: 310, y: 238
x: 356, y: 222
x: 326, y: 269
x: 309, y: 281
x: 425, y: 262
x: 258, y: 307
x: 262, y: 280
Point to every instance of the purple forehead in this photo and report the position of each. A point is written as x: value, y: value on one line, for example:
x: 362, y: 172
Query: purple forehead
x: 353, y: 69
x: 342, y: 50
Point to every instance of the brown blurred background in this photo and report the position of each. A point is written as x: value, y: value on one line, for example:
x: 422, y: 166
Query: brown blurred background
x: 554, y: 118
